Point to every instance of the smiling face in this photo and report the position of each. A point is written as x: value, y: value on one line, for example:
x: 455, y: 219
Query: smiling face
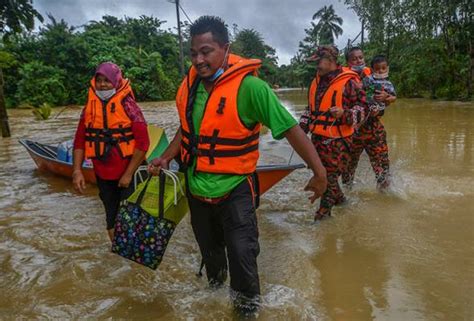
x: 102, y: 83
x: 207, y: 55
x: 356, y: 58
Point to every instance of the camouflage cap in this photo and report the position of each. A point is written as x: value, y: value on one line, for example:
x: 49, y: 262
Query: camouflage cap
x: 329, y: 51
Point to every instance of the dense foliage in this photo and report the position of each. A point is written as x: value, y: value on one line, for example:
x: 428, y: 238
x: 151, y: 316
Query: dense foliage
x: 16, y: 16
x: 249, y: 43
x: 55, y: 64
x: 429, y: 45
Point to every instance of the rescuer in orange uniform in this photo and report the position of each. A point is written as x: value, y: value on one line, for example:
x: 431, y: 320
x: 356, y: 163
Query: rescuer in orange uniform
x: 336, y: 105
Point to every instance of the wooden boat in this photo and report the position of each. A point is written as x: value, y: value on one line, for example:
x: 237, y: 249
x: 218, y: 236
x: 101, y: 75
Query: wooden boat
x: 45, y: 157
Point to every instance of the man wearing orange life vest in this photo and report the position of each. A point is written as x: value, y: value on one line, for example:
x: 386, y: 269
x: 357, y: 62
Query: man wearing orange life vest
x: 336, y: 105
x: 371, y: 136
x: 112, y: 133
x: 221, y: 106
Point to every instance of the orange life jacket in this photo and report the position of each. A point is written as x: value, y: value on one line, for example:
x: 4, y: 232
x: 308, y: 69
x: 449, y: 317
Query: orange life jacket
x: 224, y: 143
x: 107, y: 124
x: 322, y: 123
x: 365, y: 72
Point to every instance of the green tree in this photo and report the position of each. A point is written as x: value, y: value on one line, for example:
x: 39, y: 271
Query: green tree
x: 249, y: 43
x: 328, y: 27
x: 130, y: 41
x: 146, y: 53
x: 150, y: 81
x: 60, y: 46
x: 324, y: 32
x: 15, y: 16
x: 429, y: 43
x: 41, y: 84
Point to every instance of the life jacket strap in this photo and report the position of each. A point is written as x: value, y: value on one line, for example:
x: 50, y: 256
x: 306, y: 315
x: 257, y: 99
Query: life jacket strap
x: 222, y: 141
x: 206, y: 152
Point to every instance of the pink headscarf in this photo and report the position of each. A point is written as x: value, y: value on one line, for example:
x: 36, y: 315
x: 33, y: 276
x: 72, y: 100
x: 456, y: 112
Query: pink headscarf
x: 112, y: 72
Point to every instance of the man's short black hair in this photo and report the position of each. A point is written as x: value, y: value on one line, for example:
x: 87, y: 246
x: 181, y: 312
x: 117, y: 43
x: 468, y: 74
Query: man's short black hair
x: 351, y: 50
x: 212, y: 24
x: 378, y: 59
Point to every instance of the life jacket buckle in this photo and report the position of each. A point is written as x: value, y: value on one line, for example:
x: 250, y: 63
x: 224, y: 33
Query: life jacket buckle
x: 220, y: 109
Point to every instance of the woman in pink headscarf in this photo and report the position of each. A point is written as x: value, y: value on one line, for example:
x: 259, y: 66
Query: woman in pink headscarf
x: 112, y: 132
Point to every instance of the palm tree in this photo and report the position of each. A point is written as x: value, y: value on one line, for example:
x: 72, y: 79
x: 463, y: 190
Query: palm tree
x: 328, y: 27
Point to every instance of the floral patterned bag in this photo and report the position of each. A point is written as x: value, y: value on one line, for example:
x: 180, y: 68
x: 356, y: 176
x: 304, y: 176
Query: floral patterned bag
x: 147, y: 220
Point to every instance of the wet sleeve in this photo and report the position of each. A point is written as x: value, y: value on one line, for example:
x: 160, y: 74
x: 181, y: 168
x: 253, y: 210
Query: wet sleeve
x: 257, y: 103
x: 354, y: 104
x: 140, y: 133
x: 80, y: 137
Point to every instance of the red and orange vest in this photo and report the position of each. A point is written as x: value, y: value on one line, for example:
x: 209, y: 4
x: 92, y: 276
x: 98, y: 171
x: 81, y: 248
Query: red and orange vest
x: 224, y: 144
x: 107, y: 124
x: 322, y: 123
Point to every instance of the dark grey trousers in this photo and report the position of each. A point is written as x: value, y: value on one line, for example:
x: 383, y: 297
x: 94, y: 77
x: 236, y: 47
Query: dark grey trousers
x: 229, y: 225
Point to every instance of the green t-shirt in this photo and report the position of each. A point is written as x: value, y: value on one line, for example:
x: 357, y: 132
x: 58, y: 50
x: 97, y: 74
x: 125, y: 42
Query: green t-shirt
x: 256, y: 103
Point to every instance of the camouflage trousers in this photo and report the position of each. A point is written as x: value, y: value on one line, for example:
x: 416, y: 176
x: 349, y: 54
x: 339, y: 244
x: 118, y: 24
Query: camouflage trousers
x: 335, y: 155
x: 372, y: 138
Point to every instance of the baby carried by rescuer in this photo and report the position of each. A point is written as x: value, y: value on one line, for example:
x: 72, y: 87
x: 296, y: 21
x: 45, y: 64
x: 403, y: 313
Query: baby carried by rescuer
x: 376, y: 82
x: 112, y: 132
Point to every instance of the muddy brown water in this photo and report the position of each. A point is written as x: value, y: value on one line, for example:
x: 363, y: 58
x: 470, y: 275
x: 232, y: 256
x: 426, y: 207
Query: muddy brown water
x: 404, y: 255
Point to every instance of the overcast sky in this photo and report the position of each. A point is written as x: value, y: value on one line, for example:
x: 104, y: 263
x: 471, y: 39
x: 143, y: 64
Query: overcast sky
x: 281, y: 22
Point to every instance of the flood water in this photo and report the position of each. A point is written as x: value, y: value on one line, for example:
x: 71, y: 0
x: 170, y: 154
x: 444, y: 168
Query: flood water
x: 404, y: 255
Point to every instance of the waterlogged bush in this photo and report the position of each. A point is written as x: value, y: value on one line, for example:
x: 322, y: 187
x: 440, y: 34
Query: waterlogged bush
x: 43, y: 112
x: 40, y: 84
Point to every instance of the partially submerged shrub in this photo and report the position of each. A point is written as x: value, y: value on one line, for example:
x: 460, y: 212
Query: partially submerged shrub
x: 43, y: 112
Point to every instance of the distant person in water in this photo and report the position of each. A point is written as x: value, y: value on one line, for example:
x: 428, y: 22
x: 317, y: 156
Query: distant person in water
x: 371, y: 136
x: 112, y: 132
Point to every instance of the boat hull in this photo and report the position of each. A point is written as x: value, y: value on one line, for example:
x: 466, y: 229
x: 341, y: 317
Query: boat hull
x: 44, y: 157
